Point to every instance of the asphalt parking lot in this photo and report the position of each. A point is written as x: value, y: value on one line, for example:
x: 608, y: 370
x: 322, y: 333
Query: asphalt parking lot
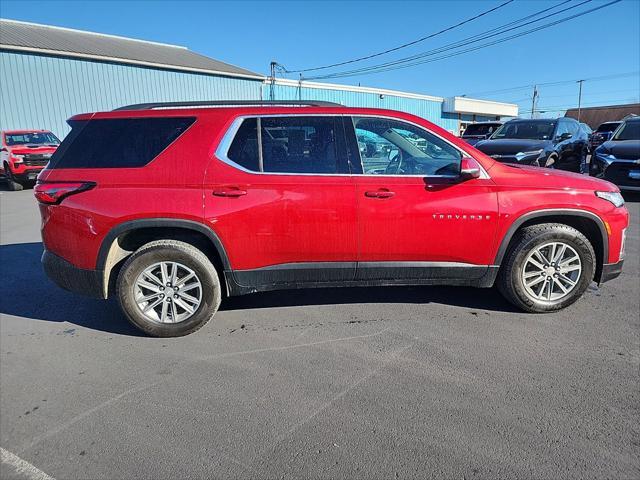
x: 352, y: 383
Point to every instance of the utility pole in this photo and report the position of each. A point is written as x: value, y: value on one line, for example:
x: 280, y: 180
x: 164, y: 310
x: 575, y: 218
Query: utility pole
x: 580, y: 98
x: 534, y: 100
x: 272, y: 85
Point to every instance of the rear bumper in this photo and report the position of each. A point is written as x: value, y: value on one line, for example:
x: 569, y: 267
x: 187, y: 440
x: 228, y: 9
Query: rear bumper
x: 77, y: 280
x: 611, y: 271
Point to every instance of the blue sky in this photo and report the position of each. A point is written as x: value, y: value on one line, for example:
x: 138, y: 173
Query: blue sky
x: 307, y: 34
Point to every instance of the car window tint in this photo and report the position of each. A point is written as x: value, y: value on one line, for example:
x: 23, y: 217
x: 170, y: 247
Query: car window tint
x: 117, y: 143
x: 244, y: 148
x: 392, y: 147
x: 301, y: 145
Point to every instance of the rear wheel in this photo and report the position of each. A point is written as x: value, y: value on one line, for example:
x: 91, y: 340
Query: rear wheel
x: 548, y: 268
x: 12, y: 184
x: 168, y: 288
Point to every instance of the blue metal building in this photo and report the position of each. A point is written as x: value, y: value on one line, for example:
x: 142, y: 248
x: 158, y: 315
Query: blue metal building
x: 48, y: 74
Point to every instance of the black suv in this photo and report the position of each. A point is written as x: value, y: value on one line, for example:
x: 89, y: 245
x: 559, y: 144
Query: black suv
x: 556, y: 143
x: 618, y: 160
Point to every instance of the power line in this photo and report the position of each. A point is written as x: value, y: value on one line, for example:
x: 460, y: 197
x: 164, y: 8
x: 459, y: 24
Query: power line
x: 600, y: 103
x: 404, y: 45
x: 380, y: 68
x: 564, y: 95
x: 557, y: 83
x: 464, y: 42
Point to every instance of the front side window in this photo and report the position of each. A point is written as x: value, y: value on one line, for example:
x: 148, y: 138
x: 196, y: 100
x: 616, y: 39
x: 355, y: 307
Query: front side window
x: 296, y: 144
x: 393, y: 147
x: 628, y: 131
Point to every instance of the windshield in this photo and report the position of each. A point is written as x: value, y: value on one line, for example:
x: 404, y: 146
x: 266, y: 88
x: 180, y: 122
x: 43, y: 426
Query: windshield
x: 526, y: 130
x: 607, y: 127
x: 31, y: 138
x: 628, y: 131
x: 480, y: 129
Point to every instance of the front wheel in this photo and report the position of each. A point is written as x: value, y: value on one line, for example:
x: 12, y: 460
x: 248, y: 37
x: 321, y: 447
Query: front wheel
x: 168, y: 288
x: 12, y: 184
x: 548, y: 268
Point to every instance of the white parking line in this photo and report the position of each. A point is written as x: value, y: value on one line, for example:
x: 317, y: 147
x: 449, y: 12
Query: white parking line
x: 22, y: 467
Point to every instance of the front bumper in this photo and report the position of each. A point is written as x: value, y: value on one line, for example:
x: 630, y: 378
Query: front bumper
x: 77, y: 280
x: 611, y: 271
x: 623, y: 173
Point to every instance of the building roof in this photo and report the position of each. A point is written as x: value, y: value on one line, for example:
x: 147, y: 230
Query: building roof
x: 595, y: 116
x: 45, y: 39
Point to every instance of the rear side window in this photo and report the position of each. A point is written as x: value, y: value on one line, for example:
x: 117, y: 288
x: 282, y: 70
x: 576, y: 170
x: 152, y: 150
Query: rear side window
x: 296, y: 144
x: 244, y: 148
x: 117, y: 143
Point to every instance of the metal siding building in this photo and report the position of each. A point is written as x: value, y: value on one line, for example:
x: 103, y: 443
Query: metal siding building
x: 43, y: 91
x: 429, y: 108
x: 48, y: 74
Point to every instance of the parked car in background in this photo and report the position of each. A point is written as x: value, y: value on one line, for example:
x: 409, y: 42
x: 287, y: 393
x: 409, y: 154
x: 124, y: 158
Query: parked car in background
x: 135, y: 205
x: 23, y: 154
x: 618, y: 159
x: 602, y: 134
x: 479, y: 131
x: 556, y: 143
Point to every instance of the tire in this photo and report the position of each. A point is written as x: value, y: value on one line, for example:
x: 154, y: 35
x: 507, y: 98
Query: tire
x: 12, y: 185
x: 190, y: 260
x: 551, y: 161
x: 511, y: 278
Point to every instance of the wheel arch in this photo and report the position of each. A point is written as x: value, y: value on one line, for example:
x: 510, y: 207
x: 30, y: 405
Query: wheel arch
x: 587, y: 223
x: 125, y: 238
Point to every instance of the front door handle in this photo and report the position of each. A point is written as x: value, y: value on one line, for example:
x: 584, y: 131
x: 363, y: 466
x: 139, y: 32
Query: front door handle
x: 379, y: 194
x: 229, y: 192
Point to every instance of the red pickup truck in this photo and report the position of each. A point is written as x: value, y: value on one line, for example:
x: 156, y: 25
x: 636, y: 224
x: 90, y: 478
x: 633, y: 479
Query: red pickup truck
x: 24, y: 153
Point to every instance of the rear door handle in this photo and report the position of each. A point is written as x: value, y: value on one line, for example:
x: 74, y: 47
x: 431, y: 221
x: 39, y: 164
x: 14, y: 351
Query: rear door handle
x: 379, y: 194
x: 229, y: 192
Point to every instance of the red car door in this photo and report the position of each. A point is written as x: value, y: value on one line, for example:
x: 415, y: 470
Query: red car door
x: 416, y: 217
x: 282, y: 201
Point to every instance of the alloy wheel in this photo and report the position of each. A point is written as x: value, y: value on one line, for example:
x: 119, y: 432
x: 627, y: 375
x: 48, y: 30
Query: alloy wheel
x: 168, y: 292
x: 551, y: 271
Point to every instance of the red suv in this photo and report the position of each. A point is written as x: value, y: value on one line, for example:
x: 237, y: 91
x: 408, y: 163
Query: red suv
x: 170, y: 207
x: 24, y: 153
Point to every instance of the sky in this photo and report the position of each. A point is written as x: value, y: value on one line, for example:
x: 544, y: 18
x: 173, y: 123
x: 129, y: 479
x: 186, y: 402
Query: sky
x: 306, y: 34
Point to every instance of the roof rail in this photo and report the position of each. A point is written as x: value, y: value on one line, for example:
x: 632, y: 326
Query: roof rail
x: 224, y: 103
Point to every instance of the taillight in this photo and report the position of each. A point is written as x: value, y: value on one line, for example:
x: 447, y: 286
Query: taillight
x: 52, y: 193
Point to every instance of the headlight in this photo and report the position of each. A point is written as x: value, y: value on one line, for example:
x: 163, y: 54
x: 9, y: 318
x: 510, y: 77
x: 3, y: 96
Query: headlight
x: 520, y: 155
x: 613, y: 197
x: 17, y: 157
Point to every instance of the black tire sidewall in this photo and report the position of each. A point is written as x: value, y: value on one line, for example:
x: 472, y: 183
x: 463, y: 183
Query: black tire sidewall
x: 12, y: 185
x: 587, y: 260
x: 211, y: 291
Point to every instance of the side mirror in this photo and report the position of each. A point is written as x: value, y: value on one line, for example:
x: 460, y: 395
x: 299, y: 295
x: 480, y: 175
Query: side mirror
x: 564, y: 136
x: 469, y: 169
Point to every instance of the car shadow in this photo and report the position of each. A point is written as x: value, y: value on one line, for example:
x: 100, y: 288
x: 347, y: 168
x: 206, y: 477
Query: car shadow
x: 28, y: 293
